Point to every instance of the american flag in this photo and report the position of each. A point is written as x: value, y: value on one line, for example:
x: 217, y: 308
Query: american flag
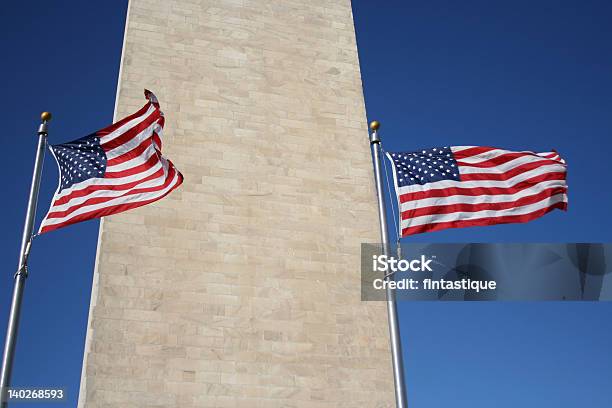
x: 465, y: 186
x: 112, y: 170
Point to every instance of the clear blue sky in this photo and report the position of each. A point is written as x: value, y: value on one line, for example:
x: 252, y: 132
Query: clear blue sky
x: 516, y: 74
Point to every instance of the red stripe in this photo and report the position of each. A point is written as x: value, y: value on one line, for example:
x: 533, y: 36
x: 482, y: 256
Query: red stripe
x: 98, y: 200
x: 90, y: 189
x: 472, y: 151
x: 464, y: 207
x: 497, y: 160
x: 131, y: 133
x: 508, y: 219
x: 137, y: 151
x: 523, y: 168
x: 117, y: 125
x: 156, y: 139
x: 108, y: 210
x: 475, y: 191
x: 151, y: 161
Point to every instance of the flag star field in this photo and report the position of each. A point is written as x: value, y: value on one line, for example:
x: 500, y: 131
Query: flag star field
x: 425, y: 166
x: 79, y: 160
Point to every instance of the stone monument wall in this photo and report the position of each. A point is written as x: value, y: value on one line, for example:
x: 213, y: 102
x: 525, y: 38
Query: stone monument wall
x: 241, y: 288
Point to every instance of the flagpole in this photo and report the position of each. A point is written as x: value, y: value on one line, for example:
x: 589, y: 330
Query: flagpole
x: 396, y: 344
x: 22, y: 270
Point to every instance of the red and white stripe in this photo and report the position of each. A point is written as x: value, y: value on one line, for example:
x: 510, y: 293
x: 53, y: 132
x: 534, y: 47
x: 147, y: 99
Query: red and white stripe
x: 136, y: 172
x: 497, y: 187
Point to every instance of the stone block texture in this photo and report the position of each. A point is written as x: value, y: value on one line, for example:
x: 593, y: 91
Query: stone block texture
x: 241, y: 288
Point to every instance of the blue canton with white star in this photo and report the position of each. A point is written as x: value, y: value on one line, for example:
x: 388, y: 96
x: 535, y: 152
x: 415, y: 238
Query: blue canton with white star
x: 80, y: 160
x: 425, y: 166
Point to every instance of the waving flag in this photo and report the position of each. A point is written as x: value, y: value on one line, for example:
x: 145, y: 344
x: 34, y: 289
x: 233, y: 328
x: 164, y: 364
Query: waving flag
x: 465, y: 186
x: 112, y: 170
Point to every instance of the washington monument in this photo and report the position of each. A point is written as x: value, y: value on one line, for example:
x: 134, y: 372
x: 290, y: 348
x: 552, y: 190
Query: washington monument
x: 242, y: 288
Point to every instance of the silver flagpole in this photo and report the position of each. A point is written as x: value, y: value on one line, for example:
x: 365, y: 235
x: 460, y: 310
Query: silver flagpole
x: 396, y: 344
x: 22, y: 270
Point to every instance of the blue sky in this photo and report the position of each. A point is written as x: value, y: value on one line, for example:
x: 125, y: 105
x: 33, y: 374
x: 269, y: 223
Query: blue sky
x: 515, y: 74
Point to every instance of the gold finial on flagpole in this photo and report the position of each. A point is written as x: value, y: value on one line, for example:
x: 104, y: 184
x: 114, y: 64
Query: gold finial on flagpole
x: 374, y: 125
x: 45, y: 117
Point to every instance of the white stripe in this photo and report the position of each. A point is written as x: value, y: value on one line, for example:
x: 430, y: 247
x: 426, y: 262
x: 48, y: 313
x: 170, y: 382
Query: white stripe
x: 156, y: 182
x: 134, y: 162
x: 544, y: 154
x: 107, y: 182
x: 491, y: 154
x: 457, y: 149
x: 134, y: 142
x: 503, y: 168
x: 510, y: 183
x: 485, y: 156
x: 127, y: 126
x: 125, y: 199
x: 464, y: 216
x: 160, y: 133
x: 556, y: 156
x: 481, y: 199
